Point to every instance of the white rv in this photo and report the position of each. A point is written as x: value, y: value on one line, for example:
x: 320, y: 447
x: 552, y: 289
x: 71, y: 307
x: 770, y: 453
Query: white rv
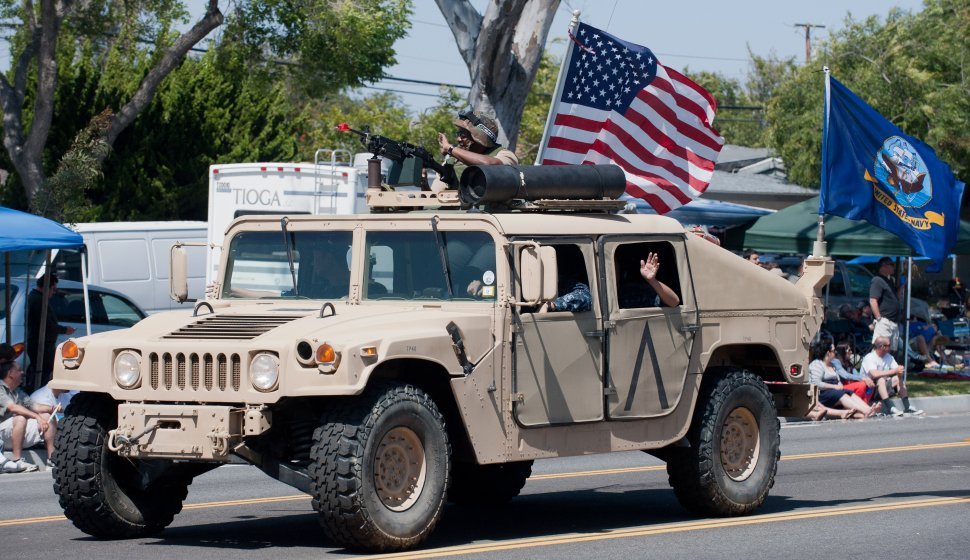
x: 323, y: 187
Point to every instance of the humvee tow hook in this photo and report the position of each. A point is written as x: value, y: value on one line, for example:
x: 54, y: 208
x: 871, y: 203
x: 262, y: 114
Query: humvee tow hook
x: 118, y: 441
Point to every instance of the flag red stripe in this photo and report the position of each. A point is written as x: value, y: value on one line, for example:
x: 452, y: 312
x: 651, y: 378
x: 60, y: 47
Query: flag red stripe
x: 680, y: 100
x: 604, y: 148
x: 684, y: 80
x: 670, y: 116
x: 680, y: 171
x: 666, y: 142
x: 634, y: 145
x: 607, y: 150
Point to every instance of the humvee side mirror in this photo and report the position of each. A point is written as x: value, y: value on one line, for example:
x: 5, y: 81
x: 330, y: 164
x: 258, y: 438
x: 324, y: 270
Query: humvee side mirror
x: 539, y: 274
x: 178, y: 284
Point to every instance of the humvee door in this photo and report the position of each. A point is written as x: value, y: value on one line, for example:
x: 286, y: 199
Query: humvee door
x: 648, y: 346
x: 558, y: 355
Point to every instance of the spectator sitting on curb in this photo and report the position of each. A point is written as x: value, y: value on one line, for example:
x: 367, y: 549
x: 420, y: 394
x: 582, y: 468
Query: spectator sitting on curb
x: 22, y: 423
x: 852, y: 379
x: 832, y: 394
x: 882, y: 368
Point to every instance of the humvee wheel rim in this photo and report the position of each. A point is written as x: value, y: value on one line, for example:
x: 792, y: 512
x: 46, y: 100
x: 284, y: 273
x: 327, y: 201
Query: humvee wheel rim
x: 399, y: 469
x: 740, y: 444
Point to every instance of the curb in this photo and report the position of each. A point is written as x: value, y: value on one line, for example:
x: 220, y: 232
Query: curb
x: 951, y: 404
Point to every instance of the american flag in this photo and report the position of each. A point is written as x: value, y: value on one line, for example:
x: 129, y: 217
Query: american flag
x: 618, y: 104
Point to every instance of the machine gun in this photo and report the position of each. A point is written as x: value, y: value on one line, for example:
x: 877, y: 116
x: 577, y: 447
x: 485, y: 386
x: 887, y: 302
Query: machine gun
x: 406, y: 169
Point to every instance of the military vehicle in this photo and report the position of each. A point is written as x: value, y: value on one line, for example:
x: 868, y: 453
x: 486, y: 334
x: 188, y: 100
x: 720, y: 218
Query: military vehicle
x: 388, y: 363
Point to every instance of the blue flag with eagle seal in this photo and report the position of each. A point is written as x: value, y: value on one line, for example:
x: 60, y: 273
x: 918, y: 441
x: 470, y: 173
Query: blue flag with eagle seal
x: 872, y: 171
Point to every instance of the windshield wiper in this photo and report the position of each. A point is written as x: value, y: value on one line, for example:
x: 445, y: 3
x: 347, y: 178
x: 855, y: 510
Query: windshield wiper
x: 439, y: 240
x: 289, y: 254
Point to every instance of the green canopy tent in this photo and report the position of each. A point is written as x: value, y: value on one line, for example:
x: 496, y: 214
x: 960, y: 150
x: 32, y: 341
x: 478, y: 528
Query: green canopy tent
x: 793, y: 230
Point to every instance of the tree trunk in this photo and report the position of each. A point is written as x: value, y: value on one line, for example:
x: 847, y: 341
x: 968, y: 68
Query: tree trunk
x: 26, y: 153
x: 502, y: 50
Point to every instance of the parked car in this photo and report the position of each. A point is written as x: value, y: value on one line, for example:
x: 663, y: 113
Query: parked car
x: 110, y: 310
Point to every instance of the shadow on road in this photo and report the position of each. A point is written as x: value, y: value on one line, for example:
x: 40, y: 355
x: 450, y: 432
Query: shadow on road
x: 591, y: 511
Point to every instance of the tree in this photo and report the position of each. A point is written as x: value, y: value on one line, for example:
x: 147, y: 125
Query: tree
x: 38, y: 33
x: 119, y: 52
x: 912, y: 68
x: 503, y: 50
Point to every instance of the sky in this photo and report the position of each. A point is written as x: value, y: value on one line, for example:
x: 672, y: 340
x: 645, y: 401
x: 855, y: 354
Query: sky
x: 712, y: 35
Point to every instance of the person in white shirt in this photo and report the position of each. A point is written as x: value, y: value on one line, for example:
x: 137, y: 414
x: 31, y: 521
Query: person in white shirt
x: 882, y: 368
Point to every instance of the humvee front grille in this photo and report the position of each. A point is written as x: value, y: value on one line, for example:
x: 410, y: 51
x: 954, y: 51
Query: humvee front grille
x: 195, y: 372
x: 232, y: 327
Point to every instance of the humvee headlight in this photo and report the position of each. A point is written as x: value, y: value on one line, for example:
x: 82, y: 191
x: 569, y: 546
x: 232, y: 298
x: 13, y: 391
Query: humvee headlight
x: 327, y: 358
x: 70, y: 355
x: 265, y: 371
x: 128, y: 369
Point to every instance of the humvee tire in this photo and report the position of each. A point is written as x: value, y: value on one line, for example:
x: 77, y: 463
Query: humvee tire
x: 102, y: 493
x: 379, y: 468
x: 487, y: 485
x: 734, y: 447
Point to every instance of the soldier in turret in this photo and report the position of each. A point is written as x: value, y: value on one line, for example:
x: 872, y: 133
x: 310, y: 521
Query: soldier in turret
x: 477, y: 144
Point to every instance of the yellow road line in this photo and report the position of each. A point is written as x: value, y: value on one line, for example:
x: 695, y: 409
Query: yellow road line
x: 550, y: 476
x: 670, y: 528
x: 822, y: 455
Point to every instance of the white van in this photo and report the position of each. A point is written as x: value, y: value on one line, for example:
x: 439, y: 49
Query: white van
x: 133, y: 258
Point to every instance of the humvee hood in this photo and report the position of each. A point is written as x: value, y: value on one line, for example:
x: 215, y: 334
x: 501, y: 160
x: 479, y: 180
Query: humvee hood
x: 287, y: 322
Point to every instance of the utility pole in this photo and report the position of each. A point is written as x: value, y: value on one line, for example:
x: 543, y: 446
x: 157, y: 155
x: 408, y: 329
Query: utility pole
x: 808, y: 38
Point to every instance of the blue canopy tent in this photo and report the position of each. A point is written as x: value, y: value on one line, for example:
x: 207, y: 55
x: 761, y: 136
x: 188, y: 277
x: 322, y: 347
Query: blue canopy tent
x: 20, y: 231
x: 703, y: 212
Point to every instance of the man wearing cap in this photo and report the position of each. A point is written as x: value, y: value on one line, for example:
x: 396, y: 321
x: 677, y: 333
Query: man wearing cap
x: 885, y: 304
x: 477, y: 145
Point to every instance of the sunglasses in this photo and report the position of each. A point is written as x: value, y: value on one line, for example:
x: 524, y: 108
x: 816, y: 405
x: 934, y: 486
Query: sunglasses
x: 462, y: 133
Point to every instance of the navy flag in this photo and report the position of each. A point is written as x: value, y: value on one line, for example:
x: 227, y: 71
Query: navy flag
x: 872, y: 171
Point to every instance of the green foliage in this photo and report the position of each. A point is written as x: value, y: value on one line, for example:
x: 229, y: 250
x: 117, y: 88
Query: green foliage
x: 325, y: 44
x: 536, y: 110
x: 65, y: 199
x: 912, y: 68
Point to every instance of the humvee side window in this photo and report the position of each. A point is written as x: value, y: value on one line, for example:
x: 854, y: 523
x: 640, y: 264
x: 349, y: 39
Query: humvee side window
x: 258, y: 265
x: 407, y: 265
x: 573, y: 290
x: 632, y: 290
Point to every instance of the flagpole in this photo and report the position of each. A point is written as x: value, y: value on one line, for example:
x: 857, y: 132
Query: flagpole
x: 820, y: 249
x: 557, y: 93
x: 909, y: 299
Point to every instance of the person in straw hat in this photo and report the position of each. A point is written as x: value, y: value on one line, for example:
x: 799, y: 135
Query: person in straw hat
x: 477, y: 144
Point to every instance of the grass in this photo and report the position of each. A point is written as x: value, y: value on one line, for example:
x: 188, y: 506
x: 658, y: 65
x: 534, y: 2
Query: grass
x: 929, y: 387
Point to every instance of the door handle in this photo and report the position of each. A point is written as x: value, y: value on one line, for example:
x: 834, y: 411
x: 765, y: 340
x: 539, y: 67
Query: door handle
x: 690, y: 328
x: 595, y: 334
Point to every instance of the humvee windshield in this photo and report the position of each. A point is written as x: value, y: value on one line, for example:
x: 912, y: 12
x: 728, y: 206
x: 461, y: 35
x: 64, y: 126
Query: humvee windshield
x: 258, y: 265
x: 408, y: 265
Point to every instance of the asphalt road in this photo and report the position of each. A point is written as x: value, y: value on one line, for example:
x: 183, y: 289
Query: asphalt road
x: 886, y: 488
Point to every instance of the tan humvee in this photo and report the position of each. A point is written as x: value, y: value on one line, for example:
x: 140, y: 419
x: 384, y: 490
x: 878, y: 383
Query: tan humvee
x: 388, y: 362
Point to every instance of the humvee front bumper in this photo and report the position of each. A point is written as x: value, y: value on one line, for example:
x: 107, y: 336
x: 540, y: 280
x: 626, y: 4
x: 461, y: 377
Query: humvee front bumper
x: 200, y: 432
